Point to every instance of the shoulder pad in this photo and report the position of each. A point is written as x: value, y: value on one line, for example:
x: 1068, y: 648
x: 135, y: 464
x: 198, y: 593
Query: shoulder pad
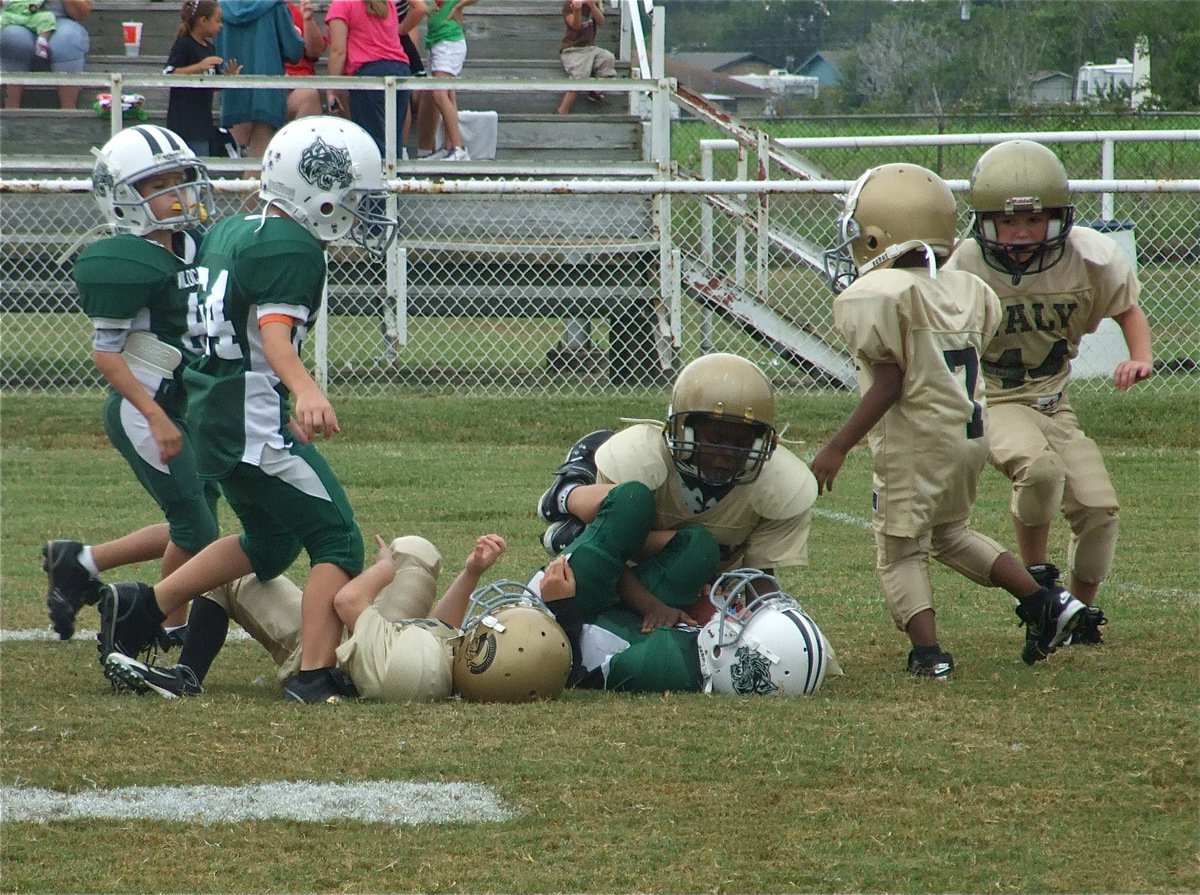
x: 636, y: 454
x: 124, y: 259
x: 1095, y: 248
x: 785, y: 488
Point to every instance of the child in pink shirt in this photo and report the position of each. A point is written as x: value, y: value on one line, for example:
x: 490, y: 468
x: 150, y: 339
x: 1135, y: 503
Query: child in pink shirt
x: 364, y: 41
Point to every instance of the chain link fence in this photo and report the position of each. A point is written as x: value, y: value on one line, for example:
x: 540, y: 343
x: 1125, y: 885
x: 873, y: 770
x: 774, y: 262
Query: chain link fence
x: 589, y: 284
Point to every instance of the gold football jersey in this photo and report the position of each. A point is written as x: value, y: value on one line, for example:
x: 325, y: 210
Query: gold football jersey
x: 762, y: 524
x: 930, y: 447
x: 1046, y: 315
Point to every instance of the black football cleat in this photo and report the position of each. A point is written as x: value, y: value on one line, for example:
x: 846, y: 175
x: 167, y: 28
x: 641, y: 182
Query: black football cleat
x: 128, y: 675
x: 130, y: 620
x: 560, y: 534
x: 579, y: 468
x: 333, y: 686
x: 1048, y: 625
x: 1087, y: 632
x: 69, y: 586
x: 936, y: 663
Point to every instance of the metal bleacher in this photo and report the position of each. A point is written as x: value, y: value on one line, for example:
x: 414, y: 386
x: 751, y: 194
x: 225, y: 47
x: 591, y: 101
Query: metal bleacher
x: 467, y: 255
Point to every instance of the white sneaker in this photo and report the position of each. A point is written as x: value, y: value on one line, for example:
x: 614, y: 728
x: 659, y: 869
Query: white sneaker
x: 458, y: 154
x: 434, y: 156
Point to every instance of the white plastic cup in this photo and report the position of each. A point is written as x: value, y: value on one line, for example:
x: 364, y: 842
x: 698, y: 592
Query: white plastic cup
x: 133, y: 37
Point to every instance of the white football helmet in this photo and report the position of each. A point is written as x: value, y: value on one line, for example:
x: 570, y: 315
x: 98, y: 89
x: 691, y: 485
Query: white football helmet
x: 327, y: 174
x: 760, y: 641
x: 890, y: 211
x: 512, y: 648
x: 728, y: 389
x: 140, y: 152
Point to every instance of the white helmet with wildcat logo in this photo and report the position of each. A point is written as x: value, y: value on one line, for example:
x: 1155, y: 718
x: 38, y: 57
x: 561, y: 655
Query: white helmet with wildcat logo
x: 140, y: 152
x: 326, y: 173
x: 760, y: 644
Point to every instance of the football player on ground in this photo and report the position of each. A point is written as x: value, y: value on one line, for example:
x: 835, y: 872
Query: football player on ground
x: 917, y: 334
x: 262, y: 279
x: 498, y: 643
x: 758, y: 641
x: 1056, y: 283
x: 137, y: 287
x: 708, y: 492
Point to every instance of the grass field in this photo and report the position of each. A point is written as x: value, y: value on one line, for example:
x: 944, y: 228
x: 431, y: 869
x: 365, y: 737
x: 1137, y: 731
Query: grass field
x: 1077, y: 775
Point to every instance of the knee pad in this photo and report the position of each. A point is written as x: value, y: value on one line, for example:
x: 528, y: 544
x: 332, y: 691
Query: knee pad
x: 412, y: 592
x: 273, y: 559
x: 634, y: 501
x: 1093, y: 543
x: 1037, y: 495
x: 698, y: 544
x: 902, y: 566
x: 967, y: 552
x: 677, y: 572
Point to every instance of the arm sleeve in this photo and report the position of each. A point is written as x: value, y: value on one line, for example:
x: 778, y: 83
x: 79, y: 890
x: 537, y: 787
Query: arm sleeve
x: 291, y: 44
x: 872, y: 327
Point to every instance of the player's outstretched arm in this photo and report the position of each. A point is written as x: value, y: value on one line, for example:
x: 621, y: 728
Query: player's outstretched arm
x: 360, y: 592
x: 1136, y: 329
x: 452, y: 607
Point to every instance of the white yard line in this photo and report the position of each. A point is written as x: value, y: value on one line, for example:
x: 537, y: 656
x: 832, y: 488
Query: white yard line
x: 390, y: 802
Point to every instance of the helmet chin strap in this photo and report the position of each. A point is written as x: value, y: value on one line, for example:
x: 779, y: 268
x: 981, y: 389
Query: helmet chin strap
x: 893, y: 252
x: 105, y: 229
x: 262, y: 218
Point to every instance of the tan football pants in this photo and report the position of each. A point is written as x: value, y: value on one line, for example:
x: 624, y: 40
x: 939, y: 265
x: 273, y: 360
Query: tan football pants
x: 1054, y: 466
x: 902, y: 565
x: 269, y: 611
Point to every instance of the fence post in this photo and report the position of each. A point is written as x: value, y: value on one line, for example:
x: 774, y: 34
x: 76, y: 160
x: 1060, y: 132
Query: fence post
x: 762, y: 217
x: 117, y: 118
x: 321, y: 337
x: 707, y: 258
x: 1106, y: 173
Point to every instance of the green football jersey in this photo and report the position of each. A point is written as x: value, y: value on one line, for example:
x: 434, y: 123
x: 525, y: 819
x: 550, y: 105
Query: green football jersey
x: 129, y: 283
x: 248, y: 268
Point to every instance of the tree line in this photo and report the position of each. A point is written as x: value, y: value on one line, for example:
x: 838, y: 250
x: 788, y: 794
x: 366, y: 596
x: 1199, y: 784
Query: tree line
x: 946, y: 55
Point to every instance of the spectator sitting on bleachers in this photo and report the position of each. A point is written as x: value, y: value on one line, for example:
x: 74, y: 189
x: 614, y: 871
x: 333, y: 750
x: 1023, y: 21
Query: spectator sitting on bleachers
x: 580, y: 56
x: 33, y: 16
x: 304, y: 101
x: 68, y: 48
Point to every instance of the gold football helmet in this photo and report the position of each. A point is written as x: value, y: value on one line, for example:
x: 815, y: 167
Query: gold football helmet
x: 731, y: 396
x: 890, y: 211
x: 512, y: 649
x: 1014, y: 177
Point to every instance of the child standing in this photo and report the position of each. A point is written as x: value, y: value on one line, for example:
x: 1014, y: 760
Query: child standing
x: 446, y: 43
x: 139, y: 289
x: 31, y: 14
x: 917, y: 334
x: 254, y: 406
x: 1027, y: 250
x: 189, y: 109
